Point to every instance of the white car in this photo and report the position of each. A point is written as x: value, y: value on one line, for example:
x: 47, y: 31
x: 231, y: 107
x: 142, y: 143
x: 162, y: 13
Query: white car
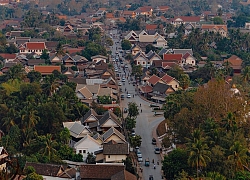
x: 123, y: 80
x: 120, y: 83
x: 139, y: 159
x: 116, y: 70
x: 128, y: 96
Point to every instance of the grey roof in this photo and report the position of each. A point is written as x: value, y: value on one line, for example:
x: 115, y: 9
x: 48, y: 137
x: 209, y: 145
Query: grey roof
x: 97, y: 136
x: 78, y: 58
x: 76, y: 129
x: 78, y: 80
x: 99, y: 56
x: 160, y: 87
x: 66, y: 57
x: 139, y: 54
x: 116, y: 149
x: 183, y: 51
x: 152, y: 55
x: 149, y: 53
x: 37, y: 40
x: 32, y: 62
x: 107, y: 115
x: 88, y: 114
x: 111, y: 131
x: 162, y: 51
x: 94, y: 124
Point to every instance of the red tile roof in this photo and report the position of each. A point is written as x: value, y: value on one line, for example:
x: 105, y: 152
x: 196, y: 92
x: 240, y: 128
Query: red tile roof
x: 169, y: 65
x: 172, y: 57
x: 213, y: 26
x: 188, y: 18
x: 109, y: 15
x: 167, y: 79
x: 8, y: 56
x: 163, y: 8
x: 146, y: 89
x: 128, y: 13
x: 35, y: 45
x: 94, y: 171
x: 186, y: 56
x: 44, y: 70
x: 151, y: 26
x: 153, y: 79
x: 234, y: 60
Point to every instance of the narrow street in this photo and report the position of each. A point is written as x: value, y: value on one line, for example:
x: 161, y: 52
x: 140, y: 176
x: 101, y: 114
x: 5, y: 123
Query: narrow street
x: 145, y: 122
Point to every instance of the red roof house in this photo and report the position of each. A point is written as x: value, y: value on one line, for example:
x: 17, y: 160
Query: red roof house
x: 46, y: 70
x: 153, y: 80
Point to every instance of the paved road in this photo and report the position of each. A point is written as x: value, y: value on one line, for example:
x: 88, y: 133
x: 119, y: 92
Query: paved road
x: 145, y: 124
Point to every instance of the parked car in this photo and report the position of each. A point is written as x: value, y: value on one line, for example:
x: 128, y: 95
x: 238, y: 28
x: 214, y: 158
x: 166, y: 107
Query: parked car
x: 139, y: 155
x: 139, y: 159
x: 133, y: 134
x: 126, y: 66
x: 119, y: 83
x: 123, y: 80
x: 154, y: 105
x: 138, y: 152
x: 157, y: 150
x: 154, y: 141
x: 125, y: 109
x: 128, y: 96
x: 122, y: 97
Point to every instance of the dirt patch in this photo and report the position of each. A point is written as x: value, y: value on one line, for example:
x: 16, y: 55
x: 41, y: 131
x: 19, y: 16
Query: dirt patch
x: 161, y: 129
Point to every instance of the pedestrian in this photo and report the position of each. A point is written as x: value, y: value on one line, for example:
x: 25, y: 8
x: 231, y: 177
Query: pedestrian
x: 140, y: 104
x: 154, y: 166
x: 133, y: 96
x: 153, y: 161
x: 141, y: 110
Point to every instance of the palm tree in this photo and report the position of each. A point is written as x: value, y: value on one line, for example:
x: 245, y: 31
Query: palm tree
x: 198, y: 155
x: 246, y: 74
x: 50, y: 85
x: 229, y: 122
x: 238, y: 155
x: 49, y: 145
x: 9, y: 120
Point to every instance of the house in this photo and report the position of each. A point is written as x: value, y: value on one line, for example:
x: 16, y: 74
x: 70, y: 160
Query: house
x: 235, y: 63
x: 153, y: 80
x: 153, y: 56
x: 150, y: 27
x: 145, y: 10
x: 160, y: 91
x: 77, y: 131
x: 98, y: 58
x: 68, y: 29
x: 189, y: 59
x: 52, y: 171
x: 173, y: 58
x: 113, y: 152
x: 33, y: 62
x: 135, y: 49
x: 221, y: 29
x: 3, y: 158
x: 100, y: 13
x: 128, y: 14
x: 109, y: 120
x: 55, y: 59
x: 171, y: 82
x: 162, y: 9
x: 157, y: 40
x: 182, y: 51
x: 105, y: 171
x: 132, y: 37
x: 90, y: 117
x: 141, y: 59
x: 113, y: 134
x: 87, y: 145
x: 32, y: 47
x: 46, y: 70
x: 177, y: 21
x: 67, y: 60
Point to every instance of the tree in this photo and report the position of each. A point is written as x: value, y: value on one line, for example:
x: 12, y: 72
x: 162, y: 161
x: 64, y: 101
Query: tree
x: 126, y: 45
x: 133, y: 110
x: 34, y: 76
x: 90, y: 158
x: 174, y: 163
x: 49, y: 146
x: 33, y: 176
x: 238, y: 155
x: 137, y: 70
x: 129, y: 165
x: 184, y: 81
x: 135, y: 141
x: 198, y: 155
x: 218, y: 20
x: 45, y: 56
x: 16, y: 72
x: 130, y: 123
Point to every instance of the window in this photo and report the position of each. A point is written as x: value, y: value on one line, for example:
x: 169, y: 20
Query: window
x: 108, y: 156
x: 138, y: 62
x: 176, y: 86
x: 80, y: 151
x: 148, y: 62
x: 84, y: 151
x: 192, y: 62
x: 143, y: 62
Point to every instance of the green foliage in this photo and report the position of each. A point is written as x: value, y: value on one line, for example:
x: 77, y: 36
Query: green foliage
x: 34, y: 76
x: 150, y: 47
x: 135, y: 141
x: 93, y: 49
x: 126, y: 45
x: 174, y: 163
x: 33, y: 176
x: 133, y: 110
x: 104, y: 99
x: 90, y: 158
x: 130, y: 123
x: 129, y: 165
x: 117, y: 112
x: 218, y: 20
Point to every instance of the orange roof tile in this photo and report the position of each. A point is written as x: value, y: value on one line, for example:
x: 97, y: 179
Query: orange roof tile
x: 167, y: 79
x: 151, y: 26
x: 109, y: 15
x: 234, y: 60
x: 44, y: 70
x: 213, y: 26
x: 172, y: 57
x: 163, y: 8
x: 62, y: 17
x: 153, y: 79
x: 8, y: 56
x: 128, y: 13
x: 188, y: 18
x: 35, y: 45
